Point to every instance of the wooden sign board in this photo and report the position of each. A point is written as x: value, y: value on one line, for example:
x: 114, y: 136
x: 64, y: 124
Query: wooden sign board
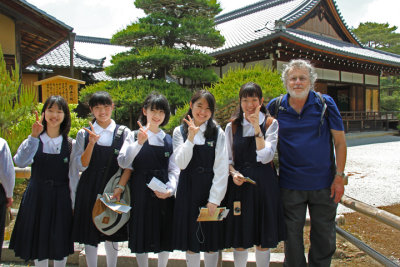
x: 60, y: 85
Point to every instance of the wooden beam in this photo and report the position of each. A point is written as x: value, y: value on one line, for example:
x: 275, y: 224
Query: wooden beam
x: 71, y: 53
x: 18, y: 57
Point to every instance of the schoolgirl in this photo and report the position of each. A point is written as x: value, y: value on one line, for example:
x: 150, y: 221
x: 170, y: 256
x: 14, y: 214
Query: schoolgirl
x: 42, y: 229
x: 257, y: 215
x: 96, y: 152
x: 200, y: 152
x: 149, y: 152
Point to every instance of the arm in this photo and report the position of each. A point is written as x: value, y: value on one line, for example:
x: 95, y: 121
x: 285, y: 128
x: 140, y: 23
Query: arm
x: 183, y: 151
x: 236, y: 176
x: 266, y: 154
x: 337, y: 187
x: 26, y: 152
x: 7, y: 172
x: 87, y: 154
x: 125, y: 176
x: 129, y: 151
x: 73, y: 173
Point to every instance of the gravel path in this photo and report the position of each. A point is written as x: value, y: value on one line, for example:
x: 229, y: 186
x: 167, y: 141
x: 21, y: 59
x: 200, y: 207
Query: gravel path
x: 373, y: 166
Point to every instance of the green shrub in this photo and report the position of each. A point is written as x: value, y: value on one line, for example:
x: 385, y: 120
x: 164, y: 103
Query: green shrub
x: 176, y: 119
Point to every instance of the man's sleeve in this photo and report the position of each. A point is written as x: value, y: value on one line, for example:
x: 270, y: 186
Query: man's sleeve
x: 334, y: 118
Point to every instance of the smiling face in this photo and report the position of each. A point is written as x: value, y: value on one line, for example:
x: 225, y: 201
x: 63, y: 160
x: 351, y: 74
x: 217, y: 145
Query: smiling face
x: 102, y: 113
x: 249, y: 104
x: 54, y: 116
x: 298, y: 83
x: 155, y: 117
x: 201, y: 111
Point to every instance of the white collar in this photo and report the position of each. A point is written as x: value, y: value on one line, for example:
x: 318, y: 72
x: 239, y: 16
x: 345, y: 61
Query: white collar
x: 203, y: 127
x: 261, y: 118
x: 110, y: 128
x: 160, y: 134
x: 46, y: 139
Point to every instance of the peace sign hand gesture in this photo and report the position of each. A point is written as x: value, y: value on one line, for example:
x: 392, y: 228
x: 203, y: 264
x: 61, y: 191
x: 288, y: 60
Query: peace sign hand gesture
x: 93, y: 137
x: 193, y: 129
x: 142, y: 134
x: 37, y: 127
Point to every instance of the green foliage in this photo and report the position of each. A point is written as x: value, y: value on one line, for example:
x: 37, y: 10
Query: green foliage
x: 23, y: 128
x: 14, y: 104
x: 163, y: 42
x: 176, y: 119
x: 128, y: 96
x: 379, y: 35
x: 390, y: 93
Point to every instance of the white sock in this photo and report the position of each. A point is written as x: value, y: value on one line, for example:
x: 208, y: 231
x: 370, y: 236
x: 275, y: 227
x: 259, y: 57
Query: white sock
x: 193, y: 259
x: 163, y: 259
x: 91, y: 255
x: 240, y: 257
x: 142, y: 259
x: 111, y: 253
x: 262, y: 258
x: 211, y: 259
x: 60, y: 263
x: 42, y: 263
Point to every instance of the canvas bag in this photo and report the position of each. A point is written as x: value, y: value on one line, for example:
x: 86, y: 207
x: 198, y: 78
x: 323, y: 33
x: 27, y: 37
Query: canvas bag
x: 105, y: 219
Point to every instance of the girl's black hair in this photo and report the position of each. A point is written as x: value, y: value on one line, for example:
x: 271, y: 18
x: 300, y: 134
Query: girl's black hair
x: 100, y: 98
x: 65, y: 126
x: 155, y: 101
x: 211, y: 129
x: 249, y: 89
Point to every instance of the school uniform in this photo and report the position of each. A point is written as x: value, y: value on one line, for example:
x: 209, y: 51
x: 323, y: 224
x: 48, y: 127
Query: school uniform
x: 203, y: 179
x: 91, y: 183
x: 261, y: 217
x: 7, y: 182
x: 150, y: 225
x: 43, y: 226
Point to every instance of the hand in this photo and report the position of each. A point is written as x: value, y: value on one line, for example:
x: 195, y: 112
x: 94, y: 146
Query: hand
x: 238, y: 178
x: 117, y: 194
x: 163, y: 195
x: 93, y: 137
x: 254, y: 119
x: 212, y: 208
x: 37, y: 127
x: 192, y: 128
x: 337, y: 188
x: 10, y: 200
x: 142, y: 134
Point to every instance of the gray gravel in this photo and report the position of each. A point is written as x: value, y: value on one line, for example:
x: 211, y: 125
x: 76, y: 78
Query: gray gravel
x: 373, y: 166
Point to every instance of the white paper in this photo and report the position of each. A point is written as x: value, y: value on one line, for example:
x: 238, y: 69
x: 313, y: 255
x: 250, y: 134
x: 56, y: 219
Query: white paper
x: 156, y: 185
x: 116, y: 206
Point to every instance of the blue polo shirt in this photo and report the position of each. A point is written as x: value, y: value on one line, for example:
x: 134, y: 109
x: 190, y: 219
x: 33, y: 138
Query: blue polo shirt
x: 304, y: 156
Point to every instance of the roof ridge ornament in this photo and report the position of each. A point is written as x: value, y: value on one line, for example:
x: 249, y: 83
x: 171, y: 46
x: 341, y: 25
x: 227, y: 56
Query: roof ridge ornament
x: 280, y: 25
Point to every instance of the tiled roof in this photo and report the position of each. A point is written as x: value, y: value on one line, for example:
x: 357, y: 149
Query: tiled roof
x: 92, y: 40
x: 255, y: 23
x: 59, y: 58
x: 102, y: 76
x: 37, y: 69
x: 341, y: 47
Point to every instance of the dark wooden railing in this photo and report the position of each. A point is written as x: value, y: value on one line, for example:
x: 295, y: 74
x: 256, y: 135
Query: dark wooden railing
x: 369, y: 120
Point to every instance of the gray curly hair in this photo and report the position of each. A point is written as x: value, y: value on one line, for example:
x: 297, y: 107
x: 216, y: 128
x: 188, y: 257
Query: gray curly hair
x: 299, y: 64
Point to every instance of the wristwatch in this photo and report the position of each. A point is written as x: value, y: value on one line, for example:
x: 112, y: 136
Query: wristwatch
x: 120, y: 187
x: 260, y: 135
x: 344, y: 177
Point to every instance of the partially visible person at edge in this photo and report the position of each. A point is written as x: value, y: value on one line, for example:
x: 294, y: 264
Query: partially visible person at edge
x: 96, y: 152
x: 7, y: 180
x: 256, y: 216
x: 310, y: 176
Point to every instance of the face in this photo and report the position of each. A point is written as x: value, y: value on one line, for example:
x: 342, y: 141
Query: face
x: 102, y: 113
x: 201, y: 111
x: 298, y: 83
x: 54, y: 116
x: 249, y: 104
x: 154, y: 116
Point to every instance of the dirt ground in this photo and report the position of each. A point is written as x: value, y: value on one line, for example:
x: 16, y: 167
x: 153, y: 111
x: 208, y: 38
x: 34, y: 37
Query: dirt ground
x: 378, y: 236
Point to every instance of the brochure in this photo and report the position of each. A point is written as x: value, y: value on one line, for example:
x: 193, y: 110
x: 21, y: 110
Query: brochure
x: 156, y: 185
x: 219, y: 215
x: 116, y: 205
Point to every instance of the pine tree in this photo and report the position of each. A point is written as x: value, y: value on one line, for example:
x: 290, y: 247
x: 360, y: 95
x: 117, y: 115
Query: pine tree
x: 169, y: 41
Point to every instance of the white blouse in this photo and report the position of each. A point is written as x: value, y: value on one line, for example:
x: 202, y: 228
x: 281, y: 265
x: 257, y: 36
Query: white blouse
x: 7, y: 171
x: 131, y: 148
x: 184, y: 151
x: 264, y: 155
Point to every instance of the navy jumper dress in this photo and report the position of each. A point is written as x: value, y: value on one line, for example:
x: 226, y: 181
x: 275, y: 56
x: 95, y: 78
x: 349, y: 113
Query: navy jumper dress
x: 90, y: 184
x: 193, y: 191
x: 150, y: 226
x: 261, y: 220
x: 43, y: 226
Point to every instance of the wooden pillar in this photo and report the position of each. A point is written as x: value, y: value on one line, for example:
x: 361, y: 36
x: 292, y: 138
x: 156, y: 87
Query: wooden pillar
x: 71, y: 53
x: 18, y: 57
